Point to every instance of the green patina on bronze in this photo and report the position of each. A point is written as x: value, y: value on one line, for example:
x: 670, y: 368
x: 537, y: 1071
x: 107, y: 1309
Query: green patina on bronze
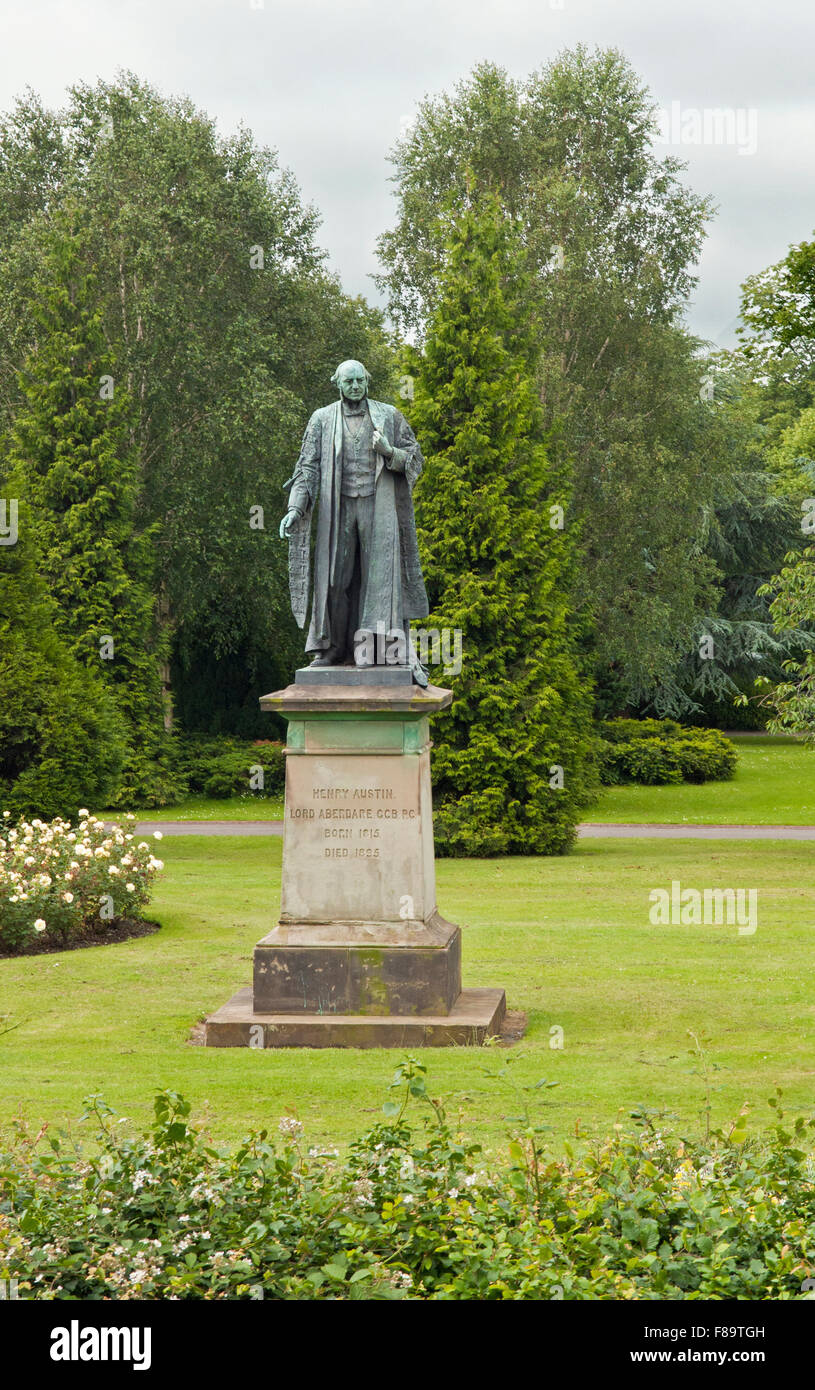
x: 356, y: 471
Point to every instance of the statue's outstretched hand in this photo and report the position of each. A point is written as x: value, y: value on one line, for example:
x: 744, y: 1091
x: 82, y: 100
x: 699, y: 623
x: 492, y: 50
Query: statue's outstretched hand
x: 287, y: 524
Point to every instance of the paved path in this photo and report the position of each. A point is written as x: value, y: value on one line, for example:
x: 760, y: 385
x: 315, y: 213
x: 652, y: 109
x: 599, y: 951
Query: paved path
x: 696, y: 832
x: 587, y: 831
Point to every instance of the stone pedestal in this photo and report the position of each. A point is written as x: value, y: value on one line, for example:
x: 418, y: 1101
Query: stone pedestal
x: 360, y: 956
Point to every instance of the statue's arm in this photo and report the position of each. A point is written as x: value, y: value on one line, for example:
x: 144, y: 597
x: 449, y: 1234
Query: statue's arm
x: 407, y: 456
x: 306, y: 477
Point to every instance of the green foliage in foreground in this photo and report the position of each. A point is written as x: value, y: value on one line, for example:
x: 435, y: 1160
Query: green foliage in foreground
x: 655, y: 752
x: 407, y: 1214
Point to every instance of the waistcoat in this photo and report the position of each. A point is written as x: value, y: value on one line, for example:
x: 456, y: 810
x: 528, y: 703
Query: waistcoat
x: 358, y: 459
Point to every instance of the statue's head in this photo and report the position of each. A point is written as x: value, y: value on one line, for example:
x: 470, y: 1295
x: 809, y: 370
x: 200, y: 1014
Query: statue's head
x: 352, y: 380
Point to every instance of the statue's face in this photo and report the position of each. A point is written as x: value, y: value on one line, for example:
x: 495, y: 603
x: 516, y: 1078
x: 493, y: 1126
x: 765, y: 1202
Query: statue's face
x: 353, y: 382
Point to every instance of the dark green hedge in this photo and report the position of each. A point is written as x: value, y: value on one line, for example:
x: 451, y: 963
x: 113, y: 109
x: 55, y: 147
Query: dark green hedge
x: 655, y: 752
x: 223, y: 767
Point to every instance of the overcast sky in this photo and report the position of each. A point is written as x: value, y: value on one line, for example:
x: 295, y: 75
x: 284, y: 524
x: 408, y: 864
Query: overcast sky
x: 329, y: 83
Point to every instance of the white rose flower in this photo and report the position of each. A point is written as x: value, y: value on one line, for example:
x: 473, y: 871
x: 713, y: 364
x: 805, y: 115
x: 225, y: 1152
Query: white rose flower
x: 67, y: 897
x: 39, y: 925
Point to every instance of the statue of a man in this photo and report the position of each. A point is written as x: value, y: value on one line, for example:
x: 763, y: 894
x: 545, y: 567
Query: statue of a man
x: 357, y: 467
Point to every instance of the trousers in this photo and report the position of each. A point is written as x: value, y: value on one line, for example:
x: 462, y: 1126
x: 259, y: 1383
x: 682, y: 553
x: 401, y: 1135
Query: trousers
x: 351, y: 573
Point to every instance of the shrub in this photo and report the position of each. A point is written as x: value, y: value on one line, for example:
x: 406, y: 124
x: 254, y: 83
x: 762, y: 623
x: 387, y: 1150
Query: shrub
x: 650, y: 761
x: 656, y: 752
x: 706, y: 756
x: 57, y: 878
x: 222, y: 768
x: 625, y: 730
x: 406, y: 1214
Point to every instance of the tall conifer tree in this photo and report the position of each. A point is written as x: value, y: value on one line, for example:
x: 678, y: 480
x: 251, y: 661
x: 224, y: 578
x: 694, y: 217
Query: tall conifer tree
x: 61, y: 743
x: 512, y: 757
x: 71, y: 446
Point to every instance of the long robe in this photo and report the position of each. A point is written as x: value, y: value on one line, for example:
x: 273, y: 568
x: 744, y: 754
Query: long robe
x: 395, y: 591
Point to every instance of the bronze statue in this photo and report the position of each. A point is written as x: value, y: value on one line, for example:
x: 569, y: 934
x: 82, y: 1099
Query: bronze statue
x: 357, y: 467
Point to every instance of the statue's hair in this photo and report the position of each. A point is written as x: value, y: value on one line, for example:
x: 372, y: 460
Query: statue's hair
x: 335, y: 380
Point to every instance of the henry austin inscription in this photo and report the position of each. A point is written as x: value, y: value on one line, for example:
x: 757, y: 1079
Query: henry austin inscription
x: 353, y: 820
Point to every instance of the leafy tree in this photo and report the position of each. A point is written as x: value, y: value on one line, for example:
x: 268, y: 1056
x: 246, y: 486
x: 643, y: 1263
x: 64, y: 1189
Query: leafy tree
x: 794, y: 460
x: 512, y: 756
x: 778, y: 313
x: 792, y: 606
x: 769, y: 383
x: 71, y: 448
x: 775, y: 359
x: 225, y: 327
x: 611, y: 234
x: 748, y: 528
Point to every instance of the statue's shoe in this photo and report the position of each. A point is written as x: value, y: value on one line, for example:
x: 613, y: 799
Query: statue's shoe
x: 328, y: 658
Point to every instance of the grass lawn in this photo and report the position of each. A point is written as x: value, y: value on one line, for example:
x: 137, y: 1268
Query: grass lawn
x: 774, y: 785
x: 570, y: 939
x: 195, y: 808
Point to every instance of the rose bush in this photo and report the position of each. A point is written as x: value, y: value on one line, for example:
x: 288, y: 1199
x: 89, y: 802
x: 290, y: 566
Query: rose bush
x: 64, y: 879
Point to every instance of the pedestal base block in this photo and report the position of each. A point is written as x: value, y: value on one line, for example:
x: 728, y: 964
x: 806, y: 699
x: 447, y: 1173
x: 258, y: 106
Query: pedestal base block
x: 476, y: 1015
x: 364, y: 969
x: 360, y: 956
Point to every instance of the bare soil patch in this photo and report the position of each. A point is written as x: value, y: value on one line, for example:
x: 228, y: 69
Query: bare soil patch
x: 119, y: 929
